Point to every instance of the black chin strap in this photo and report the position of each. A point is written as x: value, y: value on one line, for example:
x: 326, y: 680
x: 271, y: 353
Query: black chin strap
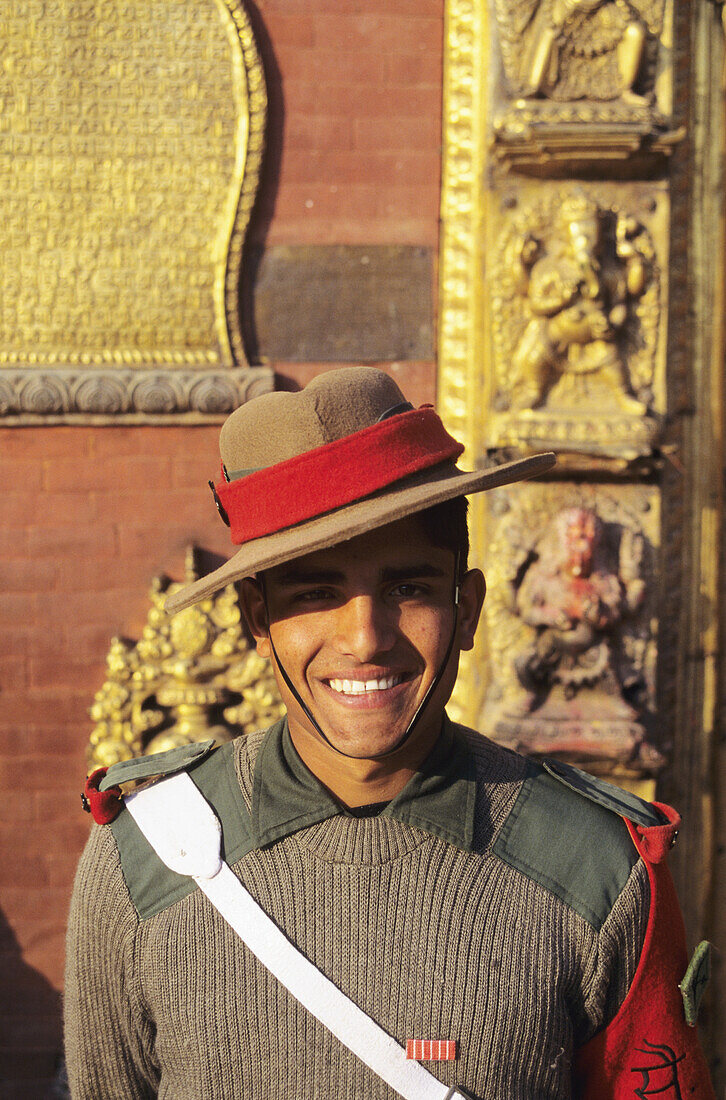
x: 456, y: 597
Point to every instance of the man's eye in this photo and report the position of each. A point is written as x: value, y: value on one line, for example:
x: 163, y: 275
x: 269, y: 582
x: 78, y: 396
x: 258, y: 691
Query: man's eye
x: 313, y: 595
x: 407, y: 591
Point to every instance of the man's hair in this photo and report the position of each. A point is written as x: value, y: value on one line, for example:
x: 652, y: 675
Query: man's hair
x: 446, y: 525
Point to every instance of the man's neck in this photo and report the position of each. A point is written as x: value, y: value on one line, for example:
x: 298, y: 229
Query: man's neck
x: 362, y: 782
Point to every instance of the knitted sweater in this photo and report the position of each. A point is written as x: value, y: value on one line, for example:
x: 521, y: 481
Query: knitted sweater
x: 433, y: 939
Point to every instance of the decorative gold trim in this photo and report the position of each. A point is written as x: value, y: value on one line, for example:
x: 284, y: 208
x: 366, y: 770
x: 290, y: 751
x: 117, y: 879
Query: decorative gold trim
x: 249, y: 83
x: 461, y: 378
x: 460, y: 374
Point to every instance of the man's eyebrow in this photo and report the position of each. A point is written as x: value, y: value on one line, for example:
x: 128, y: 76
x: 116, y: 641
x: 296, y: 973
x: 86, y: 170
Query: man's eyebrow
x: 292, y: 577
x: 424, y: 569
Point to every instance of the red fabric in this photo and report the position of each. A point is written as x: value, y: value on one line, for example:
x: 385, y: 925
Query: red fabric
x: 104, y: 806
x: 335, y: 474
x: 648, y: 1049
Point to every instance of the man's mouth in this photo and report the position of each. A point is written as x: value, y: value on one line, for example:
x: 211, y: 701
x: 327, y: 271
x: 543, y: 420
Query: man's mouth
x: 364, y: 687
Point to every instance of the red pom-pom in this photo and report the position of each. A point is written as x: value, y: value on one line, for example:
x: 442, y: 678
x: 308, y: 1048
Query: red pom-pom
x: 104, y: 806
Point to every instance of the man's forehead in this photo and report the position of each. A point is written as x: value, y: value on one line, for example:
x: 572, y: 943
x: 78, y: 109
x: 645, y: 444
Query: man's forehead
x: 400, y: 548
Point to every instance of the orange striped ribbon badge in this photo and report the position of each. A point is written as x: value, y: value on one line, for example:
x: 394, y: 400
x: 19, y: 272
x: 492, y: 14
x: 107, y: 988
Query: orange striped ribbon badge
x: 431, y: 1050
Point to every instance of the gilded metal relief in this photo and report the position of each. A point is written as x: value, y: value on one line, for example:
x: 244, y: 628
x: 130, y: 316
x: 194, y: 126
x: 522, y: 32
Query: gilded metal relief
x: 571, y: 622
x: 576, y: 291
x: 570, y: 66
x: 132, y: 135
x: 580, y: 49
x: 191, y: 676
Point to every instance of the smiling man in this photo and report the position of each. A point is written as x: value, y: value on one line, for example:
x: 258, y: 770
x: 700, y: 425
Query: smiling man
x: 367, y: 632
x: 400, y: 907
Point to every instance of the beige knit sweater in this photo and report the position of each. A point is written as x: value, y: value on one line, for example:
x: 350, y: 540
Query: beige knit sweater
x: 432, y: 941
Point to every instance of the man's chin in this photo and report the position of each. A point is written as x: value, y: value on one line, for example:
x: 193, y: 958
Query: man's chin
x: 374, y: 746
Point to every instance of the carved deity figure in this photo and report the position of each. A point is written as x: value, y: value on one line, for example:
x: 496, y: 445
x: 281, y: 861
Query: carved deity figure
x: 584, y: 49
x: 573, y: 599
x: 578, y: 288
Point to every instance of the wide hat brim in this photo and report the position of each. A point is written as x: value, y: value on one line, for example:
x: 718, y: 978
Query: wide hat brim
x: 404, y: 498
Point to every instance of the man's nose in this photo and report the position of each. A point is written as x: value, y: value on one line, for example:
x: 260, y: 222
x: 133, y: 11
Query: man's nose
x: 364, y: 628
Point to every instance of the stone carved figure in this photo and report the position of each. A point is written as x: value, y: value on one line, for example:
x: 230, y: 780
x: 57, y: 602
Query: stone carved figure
x: 574, y: 600
x: 579, y: 286
x: 570, y: 641
x: 568, y: 50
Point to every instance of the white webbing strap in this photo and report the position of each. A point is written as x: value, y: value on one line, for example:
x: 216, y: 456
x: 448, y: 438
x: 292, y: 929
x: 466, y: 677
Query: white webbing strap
x: 185, y: 832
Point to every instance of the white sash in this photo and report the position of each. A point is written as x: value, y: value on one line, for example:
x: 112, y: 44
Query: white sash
x: 185, y: 832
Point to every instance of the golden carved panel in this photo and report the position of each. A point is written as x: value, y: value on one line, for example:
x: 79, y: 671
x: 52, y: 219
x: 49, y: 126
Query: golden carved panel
x: 583, y: 81
x: 553, y: 292
x: 132, y: 135
x: 576, y: 285
x: 567, y: 50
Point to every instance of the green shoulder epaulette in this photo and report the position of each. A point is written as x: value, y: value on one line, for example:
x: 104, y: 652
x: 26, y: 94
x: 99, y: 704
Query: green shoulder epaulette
x: 565, y: 832
x: 618, y: 801
x: 151, y: 884
x: 157, y: 764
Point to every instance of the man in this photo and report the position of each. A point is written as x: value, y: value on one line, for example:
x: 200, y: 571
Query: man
x: 426, y: 883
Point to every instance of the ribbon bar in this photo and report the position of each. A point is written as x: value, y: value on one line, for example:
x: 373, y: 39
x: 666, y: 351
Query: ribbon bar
x: 431, y: 1050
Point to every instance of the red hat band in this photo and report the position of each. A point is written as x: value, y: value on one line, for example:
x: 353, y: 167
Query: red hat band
x: 338, y: 473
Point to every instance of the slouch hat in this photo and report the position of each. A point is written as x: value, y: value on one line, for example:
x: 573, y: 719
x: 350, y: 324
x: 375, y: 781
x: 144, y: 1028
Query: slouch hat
x: 348, y: 453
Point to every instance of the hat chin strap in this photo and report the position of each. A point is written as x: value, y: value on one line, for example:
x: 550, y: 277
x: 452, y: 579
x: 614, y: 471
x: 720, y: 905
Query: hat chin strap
x: 456, y: 597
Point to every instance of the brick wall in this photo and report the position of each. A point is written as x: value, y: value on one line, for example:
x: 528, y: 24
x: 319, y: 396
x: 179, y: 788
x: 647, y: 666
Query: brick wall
x: 90, y: 515
x: 356, y: 121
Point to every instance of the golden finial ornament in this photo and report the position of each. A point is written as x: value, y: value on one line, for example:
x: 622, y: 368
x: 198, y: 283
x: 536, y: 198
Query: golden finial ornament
x: 189, y: 677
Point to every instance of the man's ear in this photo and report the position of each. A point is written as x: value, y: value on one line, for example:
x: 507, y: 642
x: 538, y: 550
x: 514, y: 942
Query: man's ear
x: 471, y: 600
x: 254, y: 610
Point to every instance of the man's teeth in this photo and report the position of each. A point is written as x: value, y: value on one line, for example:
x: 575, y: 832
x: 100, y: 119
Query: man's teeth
x: 360, y: 687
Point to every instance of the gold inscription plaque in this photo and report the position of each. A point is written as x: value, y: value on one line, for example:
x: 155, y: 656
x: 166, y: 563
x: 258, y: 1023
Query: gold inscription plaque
x: 132, y: 135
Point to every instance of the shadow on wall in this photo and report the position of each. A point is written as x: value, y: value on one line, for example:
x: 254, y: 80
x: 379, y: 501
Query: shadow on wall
x: 30, y: 1028
x: 269, y: 181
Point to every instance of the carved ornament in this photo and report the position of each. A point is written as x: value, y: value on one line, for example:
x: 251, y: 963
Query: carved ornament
x: 127, y: 396
x: 127, y: 187
x: 190, y: 676
x: 570, y: 615
x: 576, y: 289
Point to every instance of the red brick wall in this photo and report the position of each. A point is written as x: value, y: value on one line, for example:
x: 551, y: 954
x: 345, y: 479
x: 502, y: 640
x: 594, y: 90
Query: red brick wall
x: 90, y: 515
x: 358, y: 139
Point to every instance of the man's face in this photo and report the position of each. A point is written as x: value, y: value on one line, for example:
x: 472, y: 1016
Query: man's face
x: 362, y: 630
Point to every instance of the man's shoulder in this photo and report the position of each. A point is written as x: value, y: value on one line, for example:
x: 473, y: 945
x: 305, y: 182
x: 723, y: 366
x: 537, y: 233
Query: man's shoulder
x: 563, y: 829
x: 152, y: 886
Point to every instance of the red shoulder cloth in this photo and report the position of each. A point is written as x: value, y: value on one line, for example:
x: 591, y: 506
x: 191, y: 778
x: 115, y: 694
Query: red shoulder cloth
x: 648, y: 1049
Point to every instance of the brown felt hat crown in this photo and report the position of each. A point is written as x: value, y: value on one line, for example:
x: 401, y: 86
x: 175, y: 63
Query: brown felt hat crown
x: 304, y: 471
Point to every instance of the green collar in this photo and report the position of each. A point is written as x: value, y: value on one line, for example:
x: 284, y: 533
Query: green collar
x: 439, y: 798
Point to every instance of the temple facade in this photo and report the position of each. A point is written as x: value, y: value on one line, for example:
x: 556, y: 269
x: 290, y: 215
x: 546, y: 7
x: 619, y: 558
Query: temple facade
x: 517, y: 210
